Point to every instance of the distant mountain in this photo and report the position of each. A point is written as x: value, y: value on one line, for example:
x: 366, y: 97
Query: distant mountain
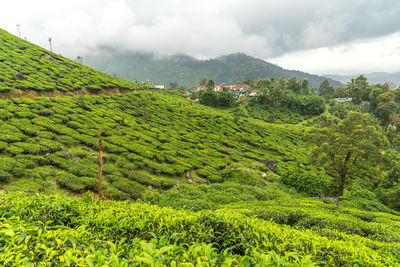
x: 186, y: 70
x: 374, y: 77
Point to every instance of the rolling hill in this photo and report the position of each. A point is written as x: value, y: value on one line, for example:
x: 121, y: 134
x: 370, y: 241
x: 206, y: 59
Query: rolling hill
x: 186, y: 70
x: 27, y: 67
x: 150, y: 139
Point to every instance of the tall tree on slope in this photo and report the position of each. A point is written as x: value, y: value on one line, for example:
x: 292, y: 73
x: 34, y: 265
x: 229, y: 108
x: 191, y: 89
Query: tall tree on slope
x: 347, y: 148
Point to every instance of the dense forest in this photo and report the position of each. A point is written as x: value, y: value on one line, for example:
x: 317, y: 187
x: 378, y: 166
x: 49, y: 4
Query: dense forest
x: 288, y: 177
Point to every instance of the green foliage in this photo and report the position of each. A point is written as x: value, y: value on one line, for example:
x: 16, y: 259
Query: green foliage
x: 76, y: 183
x: 242, y: 175
x: 389, y: 189
x: 353, y: 216
x: 4, y: 176
x: 174, y: 137
x: 53, y: 230
x: 268, y: 113
x: 310, y: 182
x: 277, y: 93
x: 347, y: 149
x: 131, y: 188
x: 212, y: 196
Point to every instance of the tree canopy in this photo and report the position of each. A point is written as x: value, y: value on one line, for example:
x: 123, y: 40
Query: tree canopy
x: 347, y: 148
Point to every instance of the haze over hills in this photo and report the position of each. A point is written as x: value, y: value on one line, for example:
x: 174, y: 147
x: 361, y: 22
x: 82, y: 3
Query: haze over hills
x: 392, y: 78
x: 186, y: 70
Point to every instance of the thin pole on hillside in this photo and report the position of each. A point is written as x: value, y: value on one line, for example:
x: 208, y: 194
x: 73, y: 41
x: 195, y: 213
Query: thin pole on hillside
x: 51, y: 49
x: 19, y: 30
x: 99, y: 188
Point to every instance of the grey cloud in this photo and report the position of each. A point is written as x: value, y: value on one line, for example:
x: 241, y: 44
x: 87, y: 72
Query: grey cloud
x: 202, y: 28
x: 297, y: 25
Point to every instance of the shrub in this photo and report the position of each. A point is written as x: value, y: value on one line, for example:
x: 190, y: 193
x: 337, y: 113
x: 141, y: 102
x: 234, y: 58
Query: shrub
x: 241, y: 174
x: 5, y: 177
x: 307, y: 181
x: 133, y: 189
x: 3, y: 146
x: 114, y: 193
x: 75, y: 183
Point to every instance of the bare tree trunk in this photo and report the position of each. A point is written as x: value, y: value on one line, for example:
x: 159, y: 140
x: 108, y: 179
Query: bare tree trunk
x: 99, y: 188
x: 341, y: 186
x: 341, y: 190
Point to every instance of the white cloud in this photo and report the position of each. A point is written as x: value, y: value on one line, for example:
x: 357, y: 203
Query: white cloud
x: 378, y: 54
x: 207, y: 28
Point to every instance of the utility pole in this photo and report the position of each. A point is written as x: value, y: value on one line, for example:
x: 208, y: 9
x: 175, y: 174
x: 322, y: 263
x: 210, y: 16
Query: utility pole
x: 19, y: 30
x: 50, y: 44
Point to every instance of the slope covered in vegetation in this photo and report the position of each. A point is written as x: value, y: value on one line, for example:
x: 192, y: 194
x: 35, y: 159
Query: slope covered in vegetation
x: 61, y: 231
x: 25, y: 66
x: 150, y: 139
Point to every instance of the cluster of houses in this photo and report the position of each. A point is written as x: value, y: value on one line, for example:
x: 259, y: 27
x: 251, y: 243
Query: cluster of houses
x: 237, y: 89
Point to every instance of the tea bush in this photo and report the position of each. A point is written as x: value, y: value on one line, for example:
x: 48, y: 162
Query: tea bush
x: 212, y: 196
x: 310, y: 182
x: 54, y: 230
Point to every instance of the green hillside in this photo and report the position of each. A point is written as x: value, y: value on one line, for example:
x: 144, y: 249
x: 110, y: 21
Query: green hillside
x: 203, y: 186
x: 186, y: 71
x: 25, y: 66
x: 150, y: 139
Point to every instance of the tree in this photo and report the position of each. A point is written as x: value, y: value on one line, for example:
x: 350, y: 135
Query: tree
x: 203, y: 81
x: 325, y: 89
x: 207, y: 97
x: 210, y: 84
x: 359, y: 89
x: 375, y: 92
x: 305, y: 84
x: 293, y: 85
x: 224, y: 99
x: 347, y: 148
x: 386, y: 106
x: 341, y: 92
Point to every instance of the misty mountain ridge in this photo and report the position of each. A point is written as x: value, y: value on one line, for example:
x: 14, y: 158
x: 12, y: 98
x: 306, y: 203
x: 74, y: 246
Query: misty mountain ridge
x: 392, y: 78
x: 186, y: 70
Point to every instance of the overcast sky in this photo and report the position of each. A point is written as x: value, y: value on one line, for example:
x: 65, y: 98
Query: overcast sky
x: 318, y: 36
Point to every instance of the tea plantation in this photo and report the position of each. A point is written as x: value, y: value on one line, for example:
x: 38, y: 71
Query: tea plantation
x: 202, y: 186
x: 150, y: 139
x: 25, y: 66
